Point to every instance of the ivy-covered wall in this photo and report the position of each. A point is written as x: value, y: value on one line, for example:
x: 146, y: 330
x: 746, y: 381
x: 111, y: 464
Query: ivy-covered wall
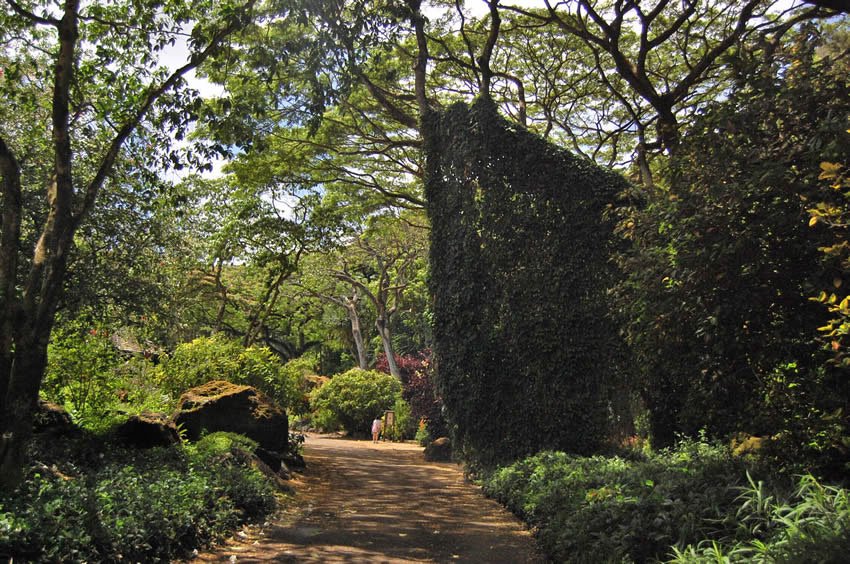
x: 527, y: 355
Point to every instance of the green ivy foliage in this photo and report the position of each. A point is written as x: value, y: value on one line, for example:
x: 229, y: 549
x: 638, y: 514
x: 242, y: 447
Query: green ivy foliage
x: 527, y: 355
x: 355, y: 398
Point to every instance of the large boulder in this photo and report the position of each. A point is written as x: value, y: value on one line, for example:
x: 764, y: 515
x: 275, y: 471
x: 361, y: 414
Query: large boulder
x: 148, y: 430
x: 439, y: 450
x: 222, y: 406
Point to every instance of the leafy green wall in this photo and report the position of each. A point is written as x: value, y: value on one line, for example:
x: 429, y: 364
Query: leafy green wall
x: 527, y: 355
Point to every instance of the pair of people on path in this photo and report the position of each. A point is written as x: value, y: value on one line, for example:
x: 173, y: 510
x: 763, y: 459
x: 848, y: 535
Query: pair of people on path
x: 376, y: 429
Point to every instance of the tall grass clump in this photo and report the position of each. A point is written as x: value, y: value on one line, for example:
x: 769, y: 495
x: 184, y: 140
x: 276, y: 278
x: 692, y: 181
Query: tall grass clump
x: 812, y: 524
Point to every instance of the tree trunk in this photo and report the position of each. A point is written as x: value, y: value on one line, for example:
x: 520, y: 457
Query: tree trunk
x: 27, y: 315
x: 384, y: 332
x: 10, y: 234
x: 668, y: 129
x: 222, y: 292
x: 357, y: 333
x: 16, y: 420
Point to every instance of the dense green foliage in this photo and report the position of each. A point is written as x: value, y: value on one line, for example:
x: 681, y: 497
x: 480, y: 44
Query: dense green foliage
x: 621, y: 509
x: 731, y: 289
x: 355, y: 398
x: 105, y: 503
x: 717, y: 302
x: 219, y: 358
x: 810, y: 525
x: 81, y: 371
x: 693, y: 501
x: 527, y: 355
x: 99, y: 389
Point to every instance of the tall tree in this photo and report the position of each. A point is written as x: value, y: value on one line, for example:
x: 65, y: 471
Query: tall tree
x: 723, y: 264
x: 315, y: 280
x: 108, y: 94
x: 666, y: 52
x: 380, y: 264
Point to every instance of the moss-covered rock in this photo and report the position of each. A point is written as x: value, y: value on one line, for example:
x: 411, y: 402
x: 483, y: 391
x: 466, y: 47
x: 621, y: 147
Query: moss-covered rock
x: 222, y: 406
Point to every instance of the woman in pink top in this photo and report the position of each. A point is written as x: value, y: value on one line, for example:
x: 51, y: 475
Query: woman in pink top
x: 376, y: 429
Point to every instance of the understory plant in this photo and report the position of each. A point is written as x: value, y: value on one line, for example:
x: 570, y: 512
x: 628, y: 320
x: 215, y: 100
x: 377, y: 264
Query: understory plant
x: 354, y: 398
x: 219, y: 358
x: 613, y: 509
x: 80, y: 371
x: 691, y: 503
x: 90, y: 501
x: 810, y: 525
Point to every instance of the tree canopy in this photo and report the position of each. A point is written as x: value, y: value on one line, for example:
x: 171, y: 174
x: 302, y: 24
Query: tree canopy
x: 596, y: 212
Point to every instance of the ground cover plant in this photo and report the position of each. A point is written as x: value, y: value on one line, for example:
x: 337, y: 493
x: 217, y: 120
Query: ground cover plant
x: 86, y: 500
x: 692, y: 503
x: 622, y: 509
x: 812, y: 524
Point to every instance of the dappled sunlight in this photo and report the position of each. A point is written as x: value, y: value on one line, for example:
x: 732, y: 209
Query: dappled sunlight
x: 365, y: 502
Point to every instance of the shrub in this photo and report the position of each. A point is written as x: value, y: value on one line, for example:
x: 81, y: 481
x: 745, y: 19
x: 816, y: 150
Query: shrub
x: 356, y: 397
x: 405, y: 425
x: 219, y: 358
x: 113, y: 504
x: 295, y: 371
x: 617, y: 509
x: 223, y: 456
x: 199, y: 361
x: 418, y: 389
x: 423, y: 435
x: 79, y: 375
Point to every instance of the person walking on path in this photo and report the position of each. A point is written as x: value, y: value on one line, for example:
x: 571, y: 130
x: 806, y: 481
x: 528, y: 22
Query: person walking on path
x: 376, y: 429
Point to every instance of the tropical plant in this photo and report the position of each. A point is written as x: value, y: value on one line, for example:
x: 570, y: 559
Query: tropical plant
x: 80, y: 371
x: 356, y: 397
x: 722, y: 265
x: 219, y: 358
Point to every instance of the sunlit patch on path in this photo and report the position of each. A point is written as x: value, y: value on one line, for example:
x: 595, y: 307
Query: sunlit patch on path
x: 360, y: 502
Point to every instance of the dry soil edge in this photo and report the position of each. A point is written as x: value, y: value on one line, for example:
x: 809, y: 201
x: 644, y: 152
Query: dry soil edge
x: 360, y: 502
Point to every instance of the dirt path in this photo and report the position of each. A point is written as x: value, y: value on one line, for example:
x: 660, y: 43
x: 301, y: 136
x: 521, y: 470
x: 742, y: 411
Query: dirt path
x: 360, y: 502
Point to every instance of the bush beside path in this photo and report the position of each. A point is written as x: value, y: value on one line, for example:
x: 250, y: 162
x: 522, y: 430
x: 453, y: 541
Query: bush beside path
x: 364, y: 502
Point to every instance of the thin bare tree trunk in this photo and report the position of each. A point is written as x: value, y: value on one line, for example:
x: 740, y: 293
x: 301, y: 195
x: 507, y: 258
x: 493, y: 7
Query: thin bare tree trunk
x: 386, y: 339
x: 357, y: 331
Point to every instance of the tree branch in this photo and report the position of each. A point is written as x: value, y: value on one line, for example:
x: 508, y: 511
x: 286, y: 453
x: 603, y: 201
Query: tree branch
x: 21, y: 11
x: 489, y: 45
x: 152, y: 96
